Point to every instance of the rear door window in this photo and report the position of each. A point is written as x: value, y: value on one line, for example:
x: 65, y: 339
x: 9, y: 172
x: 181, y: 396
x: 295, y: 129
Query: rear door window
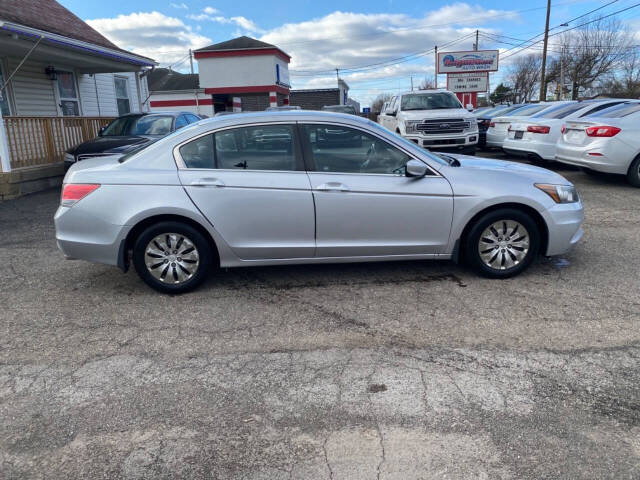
x: 260, y: 147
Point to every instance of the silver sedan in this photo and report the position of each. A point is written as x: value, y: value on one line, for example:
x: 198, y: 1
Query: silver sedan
x: 297, y: 187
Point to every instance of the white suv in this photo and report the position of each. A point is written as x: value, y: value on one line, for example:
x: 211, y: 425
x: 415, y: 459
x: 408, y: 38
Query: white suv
x: 433, y: 119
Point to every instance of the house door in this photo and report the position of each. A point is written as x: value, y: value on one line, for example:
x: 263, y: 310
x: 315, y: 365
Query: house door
x: 68, y: 102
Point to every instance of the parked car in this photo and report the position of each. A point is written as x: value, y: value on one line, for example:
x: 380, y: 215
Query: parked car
x: 608, y: 141
x: 350, y: 109
x: 484, y: 120
x: 129, y: 132
x: 205, y: 196
x: 536, y: 137
x: 433, y: 119
x: 498, y: 127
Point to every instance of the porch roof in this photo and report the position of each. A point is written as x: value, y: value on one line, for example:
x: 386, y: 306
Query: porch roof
x: 66, y: 39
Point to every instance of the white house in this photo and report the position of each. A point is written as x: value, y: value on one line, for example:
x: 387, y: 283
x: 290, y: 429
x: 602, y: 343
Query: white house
x: 60, y: 81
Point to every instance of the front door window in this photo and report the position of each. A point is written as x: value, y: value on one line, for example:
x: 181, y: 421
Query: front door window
x: 69, y: 104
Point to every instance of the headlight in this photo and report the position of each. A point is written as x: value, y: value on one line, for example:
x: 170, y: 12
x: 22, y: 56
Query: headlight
x: 69, y: 158
x: 560, y: 193
x: 410, y: 126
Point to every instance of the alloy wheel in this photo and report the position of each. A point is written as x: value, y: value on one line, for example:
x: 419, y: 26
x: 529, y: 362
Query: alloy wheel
x: 504, y: 244
x: 172, y: 258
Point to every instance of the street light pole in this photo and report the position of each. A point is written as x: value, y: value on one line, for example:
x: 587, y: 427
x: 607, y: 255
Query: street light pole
x: 543, y: 90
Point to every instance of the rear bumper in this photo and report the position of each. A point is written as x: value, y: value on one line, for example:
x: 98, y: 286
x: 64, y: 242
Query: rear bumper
x: 607, y: 162
x: 102, y: 243
x: 529, y: 148
x: 495, y: 139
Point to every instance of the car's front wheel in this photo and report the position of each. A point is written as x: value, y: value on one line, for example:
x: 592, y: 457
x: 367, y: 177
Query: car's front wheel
x: 502, y: 243
x: 172, y: 257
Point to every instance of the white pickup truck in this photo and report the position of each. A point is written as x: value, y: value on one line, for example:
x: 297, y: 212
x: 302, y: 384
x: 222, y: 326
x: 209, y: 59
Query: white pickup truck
x: 433, y: 119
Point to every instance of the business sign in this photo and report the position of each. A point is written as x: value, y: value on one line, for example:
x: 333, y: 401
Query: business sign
x: 468, y: 82
x: 473, y: 61
x: 282, y: 76
x: 366, y: 109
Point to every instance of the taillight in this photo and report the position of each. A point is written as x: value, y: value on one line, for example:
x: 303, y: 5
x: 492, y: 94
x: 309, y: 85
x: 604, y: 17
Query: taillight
x: 602, y: 131
x: 563, y: 129
x: 74, y: 192
x: 492, y: 124
x: 538, y: 129
x: 509, y: 128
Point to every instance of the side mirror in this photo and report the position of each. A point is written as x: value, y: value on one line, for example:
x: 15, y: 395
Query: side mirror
x: 391, y: 113
x: 416, y: 168
x: 101, y: 131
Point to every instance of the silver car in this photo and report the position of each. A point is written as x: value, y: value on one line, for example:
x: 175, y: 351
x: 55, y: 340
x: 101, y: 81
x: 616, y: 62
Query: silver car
x: 276, y: 188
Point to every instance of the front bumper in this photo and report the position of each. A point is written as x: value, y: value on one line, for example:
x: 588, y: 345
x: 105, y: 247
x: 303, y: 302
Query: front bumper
x: 564, y: 222
x: 449, y: 141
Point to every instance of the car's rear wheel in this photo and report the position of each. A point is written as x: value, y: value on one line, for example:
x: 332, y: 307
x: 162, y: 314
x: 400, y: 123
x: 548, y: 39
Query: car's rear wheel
x: 633, y: 175
x: 502, y: 243
x: 172, y: 257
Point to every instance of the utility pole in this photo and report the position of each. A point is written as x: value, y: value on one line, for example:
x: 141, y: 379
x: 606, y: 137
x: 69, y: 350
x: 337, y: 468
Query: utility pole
x: 543, y: 89
x: 412, y: 83
x: 191, y: 60
x: 436, y: 64
x: 475, y: 45
x: 562, y: 74
x: 195, y: 90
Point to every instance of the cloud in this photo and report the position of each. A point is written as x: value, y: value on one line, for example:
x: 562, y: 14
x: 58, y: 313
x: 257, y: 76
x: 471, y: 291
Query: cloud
x: 347, y: 40
x: 181, y: 6
x: 213, y: 15
x: 152, y: 34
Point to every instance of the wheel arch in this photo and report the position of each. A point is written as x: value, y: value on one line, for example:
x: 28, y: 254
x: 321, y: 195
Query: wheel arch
x: 139, y: 227
x: 543, y: 228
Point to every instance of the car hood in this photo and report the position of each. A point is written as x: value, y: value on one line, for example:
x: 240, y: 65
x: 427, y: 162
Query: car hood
x: 115, y: 144
x: 442, y: 113
x: 536, y: 174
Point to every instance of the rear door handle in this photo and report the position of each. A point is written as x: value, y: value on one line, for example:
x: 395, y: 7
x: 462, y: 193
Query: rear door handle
x: 332, y: 187
x: 207, y: 182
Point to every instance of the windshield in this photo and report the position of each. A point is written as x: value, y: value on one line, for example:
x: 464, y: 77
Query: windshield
x: 429, y: 101
x: 139, y: 125
x: 558, y: 110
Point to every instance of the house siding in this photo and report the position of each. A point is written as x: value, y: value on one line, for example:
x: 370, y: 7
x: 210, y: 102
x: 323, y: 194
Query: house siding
x: 32, y: 90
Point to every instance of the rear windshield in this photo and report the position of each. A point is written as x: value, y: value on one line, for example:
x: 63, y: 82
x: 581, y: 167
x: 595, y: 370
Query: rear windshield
x: 618, y: 111
x: 526, y: 110
x: 560, y: 111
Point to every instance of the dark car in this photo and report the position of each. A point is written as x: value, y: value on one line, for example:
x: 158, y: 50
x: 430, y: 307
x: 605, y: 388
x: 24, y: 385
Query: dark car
x: 484, y: 120
x: 128, y: 133
x: 340, y: 109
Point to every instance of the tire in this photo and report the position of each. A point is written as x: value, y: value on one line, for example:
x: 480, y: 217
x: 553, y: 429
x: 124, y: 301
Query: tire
x: 512, y: 256
x: 633, y: 174
x: 166, y: 268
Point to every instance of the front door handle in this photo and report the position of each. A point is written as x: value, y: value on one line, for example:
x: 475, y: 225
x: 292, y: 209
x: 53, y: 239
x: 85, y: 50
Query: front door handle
x: 332, y: 187
x: 207, y: 182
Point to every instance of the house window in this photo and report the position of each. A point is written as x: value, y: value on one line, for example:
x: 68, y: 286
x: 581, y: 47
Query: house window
x: 69, y: 104
x: 4, y: 95
x: 122, y: 95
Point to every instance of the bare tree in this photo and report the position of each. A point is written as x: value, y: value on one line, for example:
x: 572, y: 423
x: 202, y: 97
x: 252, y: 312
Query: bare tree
x: 625, y: 81
x: 428, y: 83
x: 524, y: 77
x: 376, y: 105
x: 591, y: 54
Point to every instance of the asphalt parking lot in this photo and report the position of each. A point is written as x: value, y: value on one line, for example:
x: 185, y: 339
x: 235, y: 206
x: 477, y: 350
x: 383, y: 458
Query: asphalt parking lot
x: 392, y: 370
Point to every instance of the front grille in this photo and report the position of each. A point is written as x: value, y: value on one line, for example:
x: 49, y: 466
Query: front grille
x: 455, y: 141
x: 443, y: 125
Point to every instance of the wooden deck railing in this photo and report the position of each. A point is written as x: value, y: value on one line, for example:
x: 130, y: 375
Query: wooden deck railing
x: 41, y: 140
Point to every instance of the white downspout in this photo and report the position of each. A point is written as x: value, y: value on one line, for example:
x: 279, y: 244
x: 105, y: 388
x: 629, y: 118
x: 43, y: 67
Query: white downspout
x: 5, y: 156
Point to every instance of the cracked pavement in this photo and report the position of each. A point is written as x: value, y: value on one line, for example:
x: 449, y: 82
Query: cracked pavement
x: 389, y: 371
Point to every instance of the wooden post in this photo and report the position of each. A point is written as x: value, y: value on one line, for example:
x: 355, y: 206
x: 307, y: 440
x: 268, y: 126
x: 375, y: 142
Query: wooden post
x: 49, y: 140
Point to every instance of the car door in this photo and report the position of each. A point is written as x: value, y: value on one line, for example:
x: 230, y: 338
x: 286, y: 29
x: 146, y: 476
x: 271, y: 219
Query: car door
x: 250, y: 183
x: 365, y: 204
x: 389, y: 119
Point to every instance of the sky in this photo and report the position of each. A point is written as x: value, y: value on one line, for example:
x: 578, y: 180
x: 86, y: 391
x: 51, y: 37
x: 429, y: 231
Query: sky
x: 377, y: 45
